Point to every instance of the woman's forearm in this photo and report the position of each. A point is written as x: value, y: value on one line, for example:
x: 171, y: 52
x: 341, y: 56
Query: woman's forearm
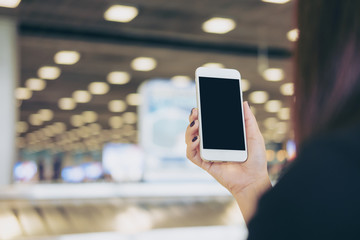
x: 248, y: 198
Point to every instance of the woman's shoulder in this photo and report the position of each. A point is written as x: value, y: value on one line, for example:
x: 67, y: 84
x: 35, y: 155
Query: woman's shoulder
x: 344, y: 140
x: 320, y: 191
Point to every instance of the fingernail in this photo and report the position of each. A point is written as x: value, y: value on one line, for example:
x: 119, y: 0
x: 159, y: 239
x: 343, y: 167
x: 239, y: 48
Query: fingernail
x: 194, y: 139
x: 191, y: 111
x: 192, y: 123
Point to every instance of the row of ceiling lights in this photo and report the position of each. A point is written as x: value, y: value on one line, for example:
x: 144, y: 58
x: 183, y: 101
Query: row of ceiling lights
x: 56, y: 135
x: 216, y: 25
x: 124, y: 14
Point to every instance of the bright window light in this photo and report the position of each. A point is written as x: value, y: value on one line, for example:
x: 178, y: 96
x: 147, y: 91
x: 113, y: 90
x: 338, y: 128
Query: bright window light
x: 143, y: 64
x: 118, y: 77
x: 67, y: 57
x: 23, y: 93
x: 120, y: 13
x: 35, y: 84
x: 276, y: 1
x: 245, y: 85
x: 81, y: 96
x: 98, y: 88
x: 273, y: 74
x: 133, y: 99
x: 117, y: 106
x: 293, y: 35
x: 49, y: 72
x: 287, y: 89
x: 218, y: 25
x: 66, y: 103
x: 273, y: 106
x: 213, y: 65
x: 258, y: 97
x: 9, y: 3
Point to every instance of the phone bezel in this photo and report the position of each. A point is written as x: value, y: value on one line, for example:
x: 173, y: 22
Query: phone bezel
x: 219, y: 155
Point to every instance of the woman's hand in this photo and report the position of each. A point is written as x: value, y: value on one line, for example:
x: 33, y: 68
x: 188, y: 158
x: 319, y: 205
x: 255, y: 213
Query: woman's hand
x: 247, y: 181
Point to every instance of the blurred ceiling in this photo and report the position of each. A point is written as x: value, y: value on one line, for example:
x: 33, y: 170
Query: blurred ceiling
x: 169, y: 31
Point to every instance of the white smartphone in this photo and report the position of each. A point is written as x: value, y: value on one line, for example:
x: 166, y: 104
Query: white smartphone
x: 221, y: 115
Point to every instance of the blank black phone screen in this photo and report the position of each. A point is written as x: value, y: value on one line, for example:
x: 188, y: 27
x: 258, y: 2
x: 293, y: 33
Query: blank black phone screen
x: 221, y: 114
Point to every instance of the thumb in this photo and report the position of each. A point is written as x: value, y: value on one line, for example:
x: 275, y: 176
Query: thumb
x: 252, y: 129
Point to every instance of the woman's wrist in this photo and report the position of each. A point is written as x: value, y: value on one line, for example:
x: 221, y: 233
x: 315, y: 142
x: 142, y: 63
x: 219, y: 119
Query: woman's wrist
x: 248, y: 197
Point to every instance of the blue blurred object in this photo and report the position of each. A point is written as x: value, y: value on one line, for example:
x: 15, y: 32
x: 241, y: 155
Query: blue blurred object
x: 25, y: 171
x: 93, y: 171
x: 123, y: 162
x: 73, y: 174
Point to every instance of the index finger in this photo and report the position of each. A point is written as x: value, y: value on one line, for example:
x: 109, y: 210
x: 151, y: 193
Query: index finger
x: 193, y: 115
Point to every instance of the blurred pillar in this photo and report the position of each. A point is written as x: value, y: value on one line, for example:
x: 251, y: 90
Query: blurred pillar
x: 8, y: 82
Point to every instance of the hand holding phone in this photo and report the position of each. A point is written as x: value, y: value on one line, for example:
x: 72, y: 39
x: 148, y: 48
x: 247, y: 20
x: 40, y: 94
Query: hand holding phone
x: 218, y: 93
x: 245, y: 180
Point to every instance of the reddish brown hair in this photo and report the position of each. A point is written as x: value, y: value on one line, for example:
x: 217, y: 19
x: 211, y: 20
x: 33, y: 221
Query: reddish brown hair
x: 327, y: 78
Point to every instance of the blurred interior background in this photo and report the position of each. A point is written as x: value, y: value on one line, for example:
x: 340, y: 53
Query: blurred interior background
x: 95, y: 102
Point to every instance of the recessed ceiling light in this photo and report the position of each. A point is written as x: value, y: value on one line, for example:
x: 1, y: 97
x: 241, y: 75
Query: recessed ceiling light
x: 133, y: 99
x: 9, y: 3
x: 58, y: 127
x: 66, y: 103
x: 253, y: 110
x: 245, y: 85
x: 258, y: 97
x: 21, y: 127
x: 293, y: 35
x: 118, y: 77
x: 281, y: 127
x: 35, y: 119
x: 76, y: 120
x: 117, y: 106
x: 272, y: 106
x: 46, y: 114
x: 213, y: 65
x: 181, y: 81
x: 67, y: 57
x: 89, y: 116
x: 130, y: 117
x: 218, y: 25
x: 35, y: 84
x: 287, y: 89
x: 115, y: 122
x: 284, y: 114
x: 270, y: 123
x: 95, y: 128
x: 276, y: 1
x: 48, y: 131
x: 143, y: 64
x: 98, y: 88
x: 49, y: 72
x: 120, y: 13
x: 23, y: 93
x: 81, y: 96
x: 273, y: 74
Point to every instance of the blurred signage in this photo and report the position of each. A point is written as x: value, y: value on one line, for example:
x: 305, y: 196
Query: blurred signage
x: 123, y: 162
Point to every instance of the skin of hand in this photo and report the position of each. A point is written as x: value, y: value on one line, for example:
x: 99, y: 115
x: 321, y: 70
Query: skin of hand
x: 246, y: 181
